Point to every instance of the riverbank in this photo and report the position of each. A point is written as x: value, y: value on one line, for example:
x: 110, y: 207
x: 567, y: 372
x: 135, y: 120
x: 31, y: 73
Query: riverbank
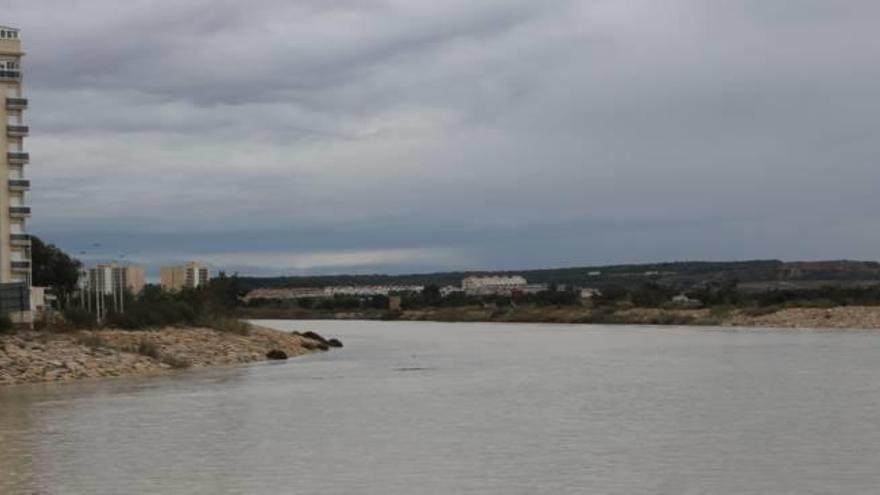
x: 838, y: 317
x: 30, y: 357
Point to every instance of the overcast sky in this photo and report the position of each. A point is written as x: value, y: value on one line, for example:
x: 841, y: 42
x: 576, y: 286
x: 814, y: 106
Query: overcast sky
x: 328, y: 136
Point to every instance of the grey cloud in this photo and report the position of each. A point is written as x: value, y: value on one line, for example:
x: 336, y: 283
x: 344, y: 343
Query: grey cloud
x: 511, y: 133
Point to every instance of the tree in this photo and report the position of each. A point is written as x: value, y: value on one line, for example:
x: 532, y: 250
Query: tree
x: 431, y: 294
x: 52, y: 267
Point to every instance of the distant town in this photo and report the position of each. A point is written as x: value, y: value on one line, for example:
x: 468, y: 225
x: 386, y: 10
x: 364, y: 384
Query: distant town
x: 470, y: 286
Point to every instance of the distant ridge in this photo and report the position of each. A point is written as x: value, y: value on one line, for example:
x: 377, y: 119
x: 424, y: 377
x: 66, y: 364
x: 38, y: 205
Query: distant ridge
x: 754, y: 274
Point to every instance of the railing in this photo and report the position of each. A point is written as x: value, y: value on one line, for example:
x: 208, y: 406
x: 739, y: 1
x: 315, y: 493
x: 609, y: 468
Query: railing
x: 20, y: 265
x: 19, y: 210
x: 17, y: 130
x: 19, y: 183
x: 17, y: 156
x: 10, y: 74
x: 16, y: 103
x: 20, y: 237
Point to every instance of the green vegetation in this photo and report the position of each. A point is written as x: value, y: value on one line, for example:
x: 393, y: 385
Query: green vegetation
x: 676, y: 275
x: 53, y: 268
x: 212, y: 306
x: 751, y: 288
x: 226, y: 325
x: 79, y: 318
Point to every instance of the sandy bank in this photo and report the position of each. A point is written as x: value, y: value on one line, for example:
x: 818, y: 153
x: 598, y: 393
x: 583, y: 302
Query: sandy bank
x: 47, y: 357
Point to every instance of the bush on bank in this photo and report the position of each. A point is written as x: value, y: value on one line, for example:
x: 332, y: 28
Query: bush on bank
x: 212, y: 306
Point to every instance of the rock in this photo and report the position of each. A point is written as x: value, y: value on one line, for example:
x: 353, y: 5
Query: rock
x: 334, y: 343
x: 314, y: 336
x: 315, y: 345
x: 276, y: 355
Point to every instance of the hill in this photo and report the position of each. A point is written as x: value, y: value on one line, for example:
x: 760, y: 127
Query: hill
x: 749, y: 275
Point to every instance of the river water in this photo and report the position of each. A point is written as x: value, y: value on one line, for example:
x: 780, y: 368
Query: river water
x: 434, y: 408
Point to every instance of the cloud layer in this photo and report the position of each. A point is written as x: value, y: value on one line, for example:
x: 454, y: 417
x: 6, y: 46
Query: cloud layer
x: 493, y: 134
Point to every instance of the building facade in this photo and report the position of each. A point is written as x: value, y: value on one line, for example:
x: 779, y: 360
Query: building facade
x: 475, y: 286
x: 15, y: 259
x: 111, y: 279
x: 188, y: 276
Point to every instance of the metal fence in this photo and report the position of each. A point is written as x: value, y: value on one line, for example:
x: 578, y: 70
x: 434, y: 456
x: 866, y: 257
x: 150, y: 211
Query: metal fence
x: 14, y: 297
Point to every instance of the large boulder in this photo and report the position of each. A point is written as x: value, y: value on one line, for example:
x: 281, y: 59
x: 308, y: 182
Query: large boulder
x: 313, y: 336
x: 313, y: 345
x: 276, y: 355
x: 334, y: 343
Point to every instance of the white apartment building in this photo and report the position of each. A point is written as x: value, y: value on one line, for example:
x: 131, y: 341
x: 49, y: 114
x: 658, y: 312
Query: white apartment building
x: 111, y: 279
x: 372, y: 290
x: 474, y: 286
x: 190, y: 276
x: 15, y: 244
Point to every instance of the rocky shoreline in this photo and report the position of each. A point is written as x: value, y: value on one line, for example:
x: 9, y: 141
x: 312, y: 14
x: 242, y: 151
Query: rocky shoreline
x: 31, y: 357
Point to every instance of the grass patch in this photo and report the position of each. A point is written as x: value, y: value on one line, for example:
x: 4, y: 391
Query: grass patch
x: 149, y: 349
x: 761, y: 310
x: 90, y: 340
x: 721, y: 311
x: 226, y: 325
x: 602, y: 314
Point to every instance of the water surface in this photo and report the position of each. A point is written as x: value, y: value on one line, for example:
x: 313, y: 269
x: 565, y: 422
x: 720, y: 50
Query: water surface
x: 433, y: 408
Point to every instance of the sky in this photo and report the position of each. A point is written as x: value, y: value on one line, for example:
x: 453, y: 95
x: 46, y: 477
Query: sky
x: 275, y: 137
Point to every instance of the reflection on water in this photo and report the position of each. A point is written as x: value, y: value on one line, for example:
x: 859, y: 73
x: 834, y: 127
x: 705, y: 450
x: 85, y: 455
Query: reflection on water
x: 16, y: 456
x: 471, y: 408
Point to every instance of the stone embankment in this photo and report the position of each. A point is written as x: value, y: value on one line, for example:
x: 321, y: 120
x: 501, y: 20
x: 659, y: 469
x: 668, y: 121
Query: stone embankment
x: 48, y: 357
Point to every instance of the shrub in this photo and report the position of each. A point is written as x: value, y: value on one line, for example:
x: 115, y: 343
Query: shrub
x: 149, y: 349
x: 761, y: 310
x: 721, y: 311
x: 226, y: 325
x: 91, y: 340
x: 79, y: 318
x: 151, y: 314
x: 600, y: 315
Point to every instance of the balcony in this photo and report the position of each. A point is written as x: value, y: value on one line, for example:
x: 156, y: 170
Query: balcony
x: 20, y: 239
x: 19, y: 184
x: 20, y: 266
x: 16, y: 103
x: 10, y: 75
x: 20, y: 211
x: 17, y: 130
x: 18, y: 157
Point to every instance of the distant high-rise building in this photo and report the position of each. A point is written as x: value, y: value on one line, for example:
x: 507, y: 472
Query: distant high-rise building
x: 110, y: 278
x: 15, y: 244
x: 188, y: 276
